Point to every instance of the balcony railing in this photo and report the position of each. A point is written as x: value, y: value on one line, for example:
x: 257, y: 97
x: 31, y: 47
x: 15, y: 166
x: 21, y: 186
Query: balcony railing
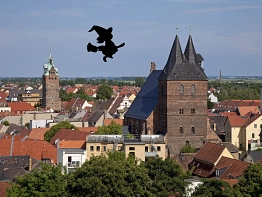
x: 73, y: 164
x: 150, y: 154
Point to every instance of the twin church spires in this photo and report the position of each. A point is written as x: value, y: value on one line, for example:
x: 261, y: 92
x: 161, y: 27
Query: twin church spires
x: 183, y: 66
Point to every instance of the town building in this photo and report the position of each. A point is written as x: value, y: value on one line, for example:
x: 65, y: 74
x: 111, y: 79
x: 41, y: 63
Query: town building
x: 173, y: 100
x: 148, y: 146
x: 50, y: 80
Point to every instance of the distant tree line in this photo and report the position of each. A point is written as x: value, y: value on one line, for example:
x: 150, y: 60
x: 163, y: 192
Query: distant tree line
x: 236, y: 90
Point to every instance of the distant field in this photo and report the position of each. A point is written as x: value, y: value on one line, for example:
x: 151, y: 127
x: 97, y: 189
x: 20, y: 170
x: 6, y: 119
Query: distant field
x: 238, y: 80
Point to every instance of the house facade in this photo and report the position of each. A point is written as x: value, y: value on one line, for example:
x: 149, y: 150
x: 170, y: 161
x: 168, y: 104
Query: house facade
x: 148, y: 146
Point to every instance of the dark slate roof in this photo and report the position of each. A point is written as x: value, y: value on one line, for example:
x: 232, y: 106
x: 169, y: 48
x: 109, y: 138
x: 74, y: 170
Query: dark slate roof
x: 231, y: 147
x: 12, y: 166
x: 255, y: 155
x: 116, y: 105
x: 14, y: 129
x: 102, y: 105
x: 147, y: 98
x: 181, y: 66
x: 95, y: 115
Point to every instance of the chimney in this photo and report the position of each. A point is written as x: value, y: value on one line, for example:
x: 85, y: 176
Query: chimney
x: 30, y: 164
x: 152, y: 67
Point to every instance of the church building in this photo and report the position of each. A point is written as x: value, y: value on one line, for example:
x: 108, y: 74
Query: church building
x: 173, y: 101
x: 50, y: 81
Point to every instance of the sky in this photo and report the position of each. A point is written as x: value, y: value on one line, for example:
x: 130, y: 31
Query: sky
x: 228, y: 34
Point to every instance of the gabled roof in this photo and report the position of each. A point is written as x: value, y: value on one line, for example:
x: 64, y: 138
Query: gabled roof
x: 237, y: 121
x: 95, y: 115
x: 181, y: 66
x: 36, y: 149
x: 74, y: 102
x: 73, y: 144
x: 251, y: 119
x: 68, y: 134
x: 147, y: 98
x: 116, y: 104
x: 20, y: 106
x: 38, y: 133
x: 234, y: 167
x: 243, y: 110
x: 255, y: 155
x: 88, y: 129
x: 210, y: 152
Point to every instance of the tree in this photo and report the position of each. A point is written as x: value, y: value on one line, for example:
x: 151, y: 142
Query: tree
x: 188, y: 148
x: 250, y: 184
x: 115, y: 175
x: 112, y: 129
x: 104, y: 92
x: 54, y: 129
x: 167, y: 177
x: 215, y: 188
x: 46, y: 181
x: 6, y: 123
x: 27, y: 125
x: 210, y: 105
x: 139, y: 81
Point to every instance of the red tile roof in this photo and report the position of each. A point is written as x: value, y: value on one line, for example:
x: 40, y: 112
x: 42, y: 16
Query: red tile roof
x: 3, y: 186
x: 20, y: 106
x: 117, y: 121
x: 73, y: 144
x: 245, y: 109
x: 36, y: 149
x: 237, y: 121
x: 234, y: 167
x: 68, y: 134
x: 210, y: 152
x: 38, y: 133
x: 231, y: 181
x: 88, y: 129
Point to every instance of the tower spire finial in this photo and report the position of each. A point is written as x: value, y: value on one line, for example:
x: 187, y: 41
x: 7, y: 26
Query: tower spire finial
x: 190, y: 30
x: 176, y: 29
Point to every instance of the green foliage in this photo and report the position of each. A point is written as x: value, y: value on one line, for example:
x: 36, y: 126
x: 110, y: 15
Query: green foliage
x: 79, y: 94
x: 258, y: 149
x: 236, y: 90
x: 210, y: 105
x: 6, y: 123
x: 66, y: 82
x: 37, y: 105
x: 139, y: 81
x: 27, y: 125
x: 167, y: 177
x: 250, y: 184
x: 215, y: 188
x: 188, y: 148
x: 112, y: 129
x: 104, y: 92
x: 116, y: 175
x: 45, y: 182
x: 54, y: 129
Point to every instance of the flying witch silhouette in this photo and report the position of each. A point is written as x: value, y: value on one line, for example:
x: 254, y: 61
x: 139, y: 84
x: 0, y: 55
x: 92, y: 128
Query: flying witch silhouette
x: 104, y: 35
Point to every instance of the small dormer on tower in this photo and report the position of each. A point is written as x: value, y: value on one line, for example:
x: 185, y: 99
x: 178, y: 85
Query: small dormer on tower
x: 152, y: 67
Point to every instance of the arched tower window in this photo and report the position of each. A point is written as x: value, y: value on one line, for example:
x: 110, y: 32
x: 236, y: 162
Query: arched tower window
x: 193, y: 110
x: 181, y: 111
x: 181, y: 130
x: 192, y: 130
x: 181, y: 89
x: 193, y: 89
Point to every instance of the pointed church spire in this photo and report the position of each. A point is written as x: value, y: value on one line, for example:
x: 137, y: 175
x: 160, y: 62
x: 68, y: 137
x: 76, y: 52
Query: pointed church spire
x: 190, y: 53
x: 50, y: 60
x: 175, y: 57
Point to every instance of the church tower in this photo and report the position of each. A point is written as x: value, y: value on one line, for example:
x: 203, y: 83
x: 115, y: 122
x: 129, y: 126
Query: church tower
x: 50, y: 81
x: 182, y: 98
